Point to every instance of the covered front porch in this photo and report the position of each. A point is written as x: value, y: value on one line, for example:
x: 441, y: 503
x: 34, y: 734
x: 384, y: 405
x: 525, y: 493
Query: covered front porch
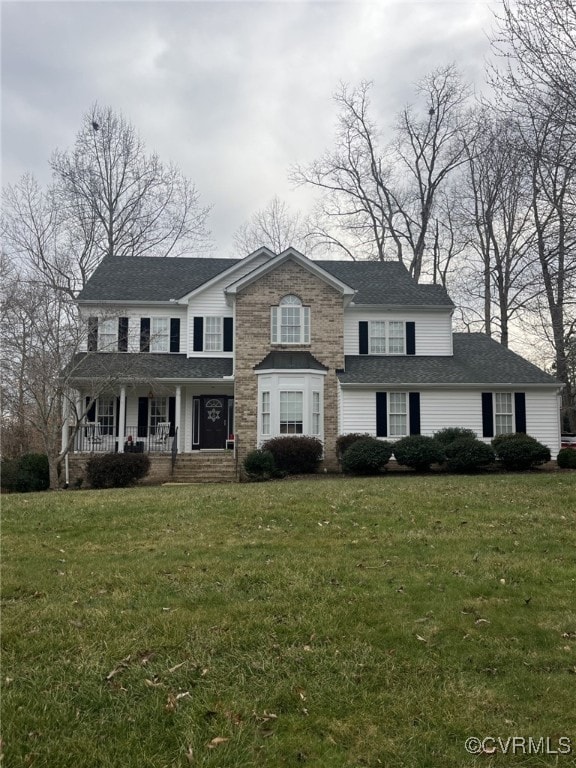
x: 163, y: 419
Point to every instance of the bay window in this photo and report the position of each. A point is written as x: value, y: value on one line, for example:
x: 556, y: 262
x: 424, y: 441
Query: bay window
x: 290, y: 404
x: 291, y: 413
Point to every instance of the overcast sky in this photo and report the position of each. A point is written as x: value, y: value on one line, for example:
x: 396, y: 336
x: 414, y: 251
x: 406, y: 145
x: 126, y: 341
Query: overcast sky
x: 232, y: 92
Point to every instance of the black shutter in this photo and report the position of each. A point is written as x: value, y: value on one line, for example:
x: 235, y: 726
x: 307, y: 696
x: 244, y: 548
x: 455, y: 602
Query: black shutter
x: 91, y: 413
x: 144, y: 334
x: 122, y: 334
x: 363, y: 337
x: 487, y: 415
x: 414, y: 406
x: 175, y: 334
x: 520, y: 411
x: 411, y: 340
x: 198, y: 334
x: 92, y: 334
x: 142, y: 417
x: 381, y: 414
x: 228, y: 334
x: 172, y: 415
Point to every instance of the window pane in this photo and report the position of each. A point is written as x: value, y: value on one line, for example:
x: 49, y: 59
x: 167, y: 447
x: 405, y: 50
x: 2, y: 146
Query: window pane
x: 395, y: 338
x: 105, y: 415
x: 265, y: 413
x: 503, y: 421
x: 107, y: 335
x: 158, y: 412
x: 213, y: 334
x: 315, y: 413
x: 291, y: 413
x: 398, y: 414
x: 159, y: 334
x: 377, y: 337
x: 290, y: 325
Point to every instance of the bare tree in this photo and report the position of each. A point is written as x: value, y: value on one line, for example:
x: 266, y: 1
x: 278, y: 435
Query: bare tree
x: 126, y: 201
x: 378, y: 201
x: 275, y: 227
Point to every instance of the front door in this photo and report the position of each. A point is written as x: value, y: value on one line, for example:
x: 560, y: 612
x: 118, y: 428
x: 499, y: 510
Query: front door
x: 213, y: 421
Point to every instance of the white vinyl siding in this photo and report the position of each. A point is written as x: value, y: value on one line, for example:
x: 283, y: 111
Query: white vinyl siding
x: 441, y: 408
x: 433, y: 329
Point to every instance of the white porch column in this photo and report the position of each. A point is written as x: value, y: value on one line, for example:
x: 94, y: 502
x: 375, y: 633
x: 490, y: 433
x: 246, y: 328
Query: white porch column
x: 122, y: 420
x: 65, y: 419
x: 177, y: 413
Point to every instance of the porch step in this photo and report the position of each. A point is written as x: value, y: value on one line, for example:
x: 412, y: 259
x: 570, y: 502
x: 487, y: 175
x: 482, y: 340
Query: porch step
x: 217, y: 467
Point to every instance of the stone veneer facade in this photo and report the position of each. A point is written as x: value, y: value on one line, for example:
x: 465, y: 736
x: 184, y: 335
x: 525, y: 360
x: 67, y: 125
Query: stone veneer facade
x: 253, y: 343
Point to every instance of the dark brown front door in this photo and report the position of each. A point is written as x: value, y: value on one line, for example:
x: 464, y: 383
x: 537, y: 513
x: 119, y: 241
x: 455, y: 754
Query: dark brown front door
x: 213, y: 421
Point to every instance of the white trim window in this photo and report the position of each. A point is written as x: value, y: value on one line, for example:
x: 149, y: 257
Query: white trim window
x: 397, y: 414
x: 265, y: 407
x: 213, y: 334
x: 290, y: 322
x: 105, y: 414
x: 387, y: 337
x: 291, y: 413
x: 158, y: 412
x: 503, y: 413
x: 108, y: 335
x: 316, y: 413
x: 159, y: 334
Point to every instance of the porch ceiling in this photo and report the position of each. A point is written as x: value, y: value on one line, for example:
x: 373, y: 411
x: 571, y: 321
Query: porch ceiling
x: 133, y: 367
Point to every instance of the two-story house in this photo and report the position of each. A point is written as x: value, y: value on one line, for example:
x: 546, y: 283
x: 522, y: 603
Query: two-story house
x: 207, y: 354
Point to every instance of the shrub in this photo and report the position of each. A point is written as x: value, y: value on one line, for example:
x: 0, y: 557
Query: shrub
x: 295, y: 454
x: 450, y: 434
x: 260, y: 465
x: 26, y: 473
x: 517, y: 451
x: 343, y: 442
x: 468, y: 455
x: 566, y: 458
x: 418, y: 452
x: 117, y: 470
x: 367, y: 456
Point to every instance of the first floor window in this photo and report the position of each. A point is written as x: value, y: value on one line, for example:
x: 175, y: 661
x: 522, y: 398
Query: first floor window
x: 315, y: 413
x: 398, y: 414
x: 158, y: 412
x: 265, y: 413
x: 213, y: 334
x: 159, y: 334
x: 503, y: 413
x: 105, y: 415
x: 108, y: 335
x: 291, y: 413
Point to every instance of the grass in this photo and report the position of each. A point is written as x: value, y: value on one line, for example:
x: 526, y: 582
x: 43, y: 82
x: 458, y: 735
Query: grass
x: 329, y: 623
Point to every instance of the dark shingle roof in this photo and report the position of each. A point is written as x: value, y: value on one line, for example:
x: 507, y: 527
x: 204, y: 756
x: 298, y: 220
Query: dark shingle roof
x: 148, y: 366
x: 290, y: 361
x: 385, y: 282
x: 150, y: 278
x: 158, y: 279
x: 477, y: 359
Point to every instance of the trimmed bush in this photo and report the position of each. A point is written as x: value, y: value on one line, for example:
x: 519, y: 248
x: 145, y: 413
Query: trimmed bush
x: 117, y: 470
x: 450, y: 434
x: 566, y: 458
x: 468, y: 455
x: 367, y: 456
x: 295, y: 454
x: 27, y: 473
x: 418, y: 452
x: 260, y: 465
x: 343, y: 442
x: 518, y: 452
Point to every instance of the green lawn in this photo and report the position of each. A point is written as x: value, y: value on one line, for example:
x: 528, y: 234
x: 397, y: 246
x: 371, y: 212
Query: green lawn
x: 329, y: 622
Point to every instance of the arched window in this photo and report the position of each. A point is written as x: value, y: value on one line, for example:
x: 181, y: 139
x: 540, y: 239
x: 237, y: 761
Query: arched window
x: 290, y: 321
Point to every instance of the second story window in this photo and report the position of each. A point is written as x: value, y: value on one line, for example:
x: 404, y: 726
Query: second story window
x: 290, y: 322
x: 213, y: 334
x: 386, y: 337
x: 108, y: 335
x: 159, y: 334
